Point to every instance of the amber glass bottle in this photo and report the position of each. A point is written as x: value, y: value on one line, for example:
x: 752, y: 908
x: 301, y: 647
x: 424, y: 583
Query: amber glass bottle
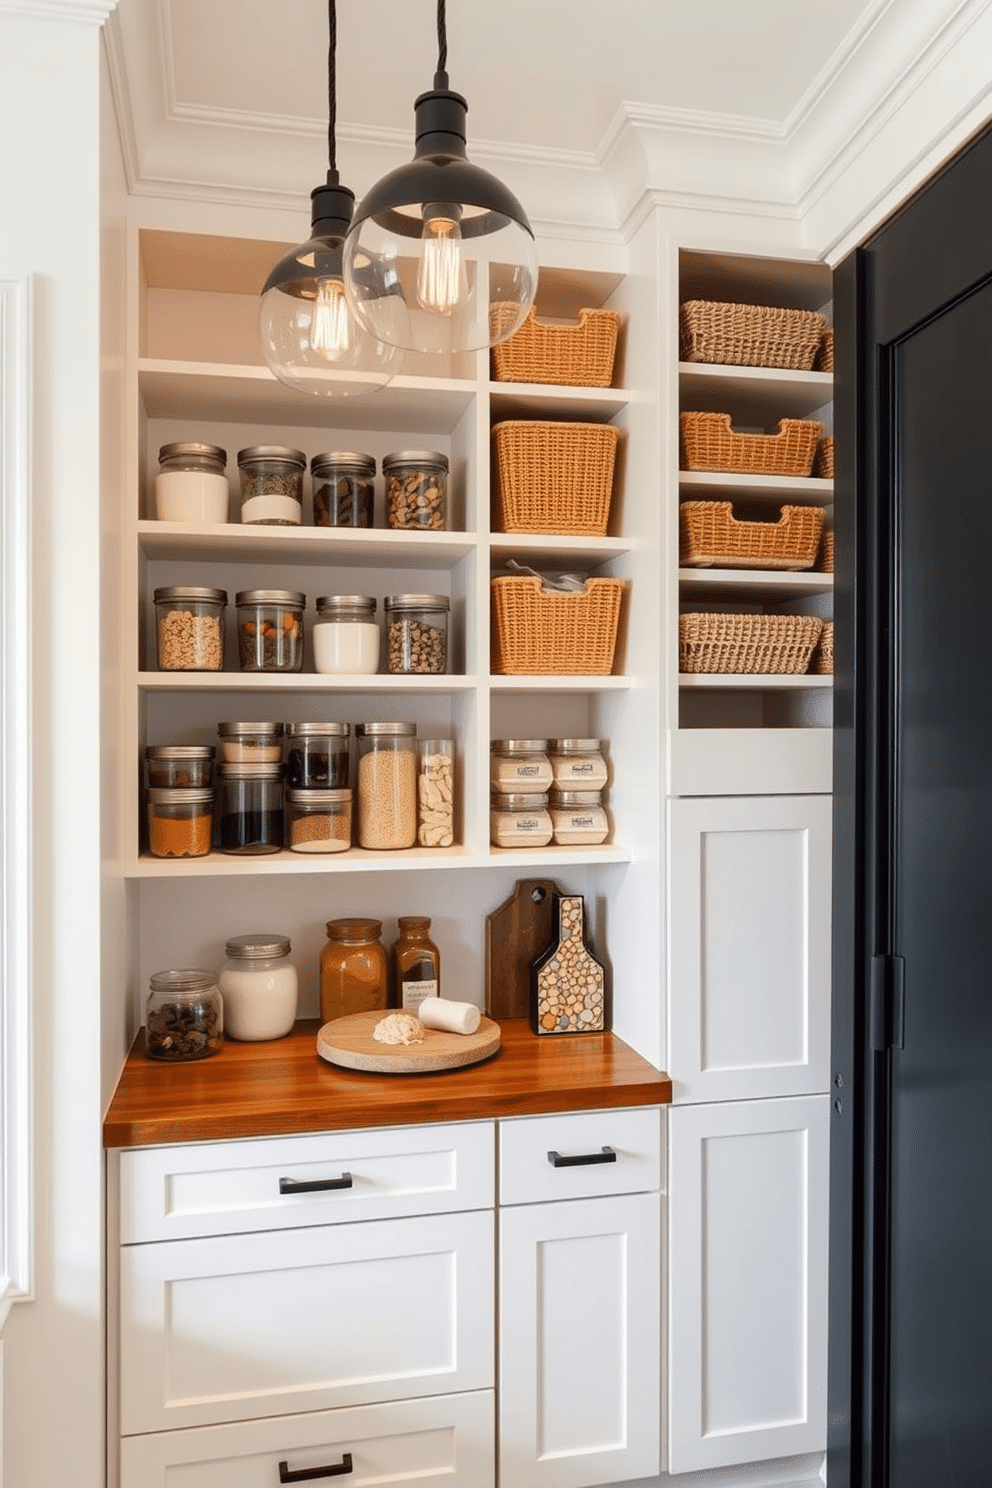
x: 416, y: 964
x: 354, y: 969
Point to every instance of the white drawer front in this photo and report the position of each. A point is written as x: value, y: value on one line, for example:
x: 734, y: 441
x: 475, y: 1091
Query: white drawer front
x: 445, y: 1442
x: 237, y: 1327
x: 220, y: 1188
x: 632, y: 1161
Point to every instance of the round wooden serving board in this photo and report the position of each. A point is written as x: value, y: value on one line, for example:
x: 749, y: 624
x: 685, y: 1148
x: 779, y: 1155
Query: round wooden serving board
x: 348, y: 1041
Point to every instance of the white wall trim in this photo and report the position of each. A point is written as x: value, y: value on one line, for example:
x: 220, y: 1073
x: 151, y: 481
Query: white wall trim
x: 15, y: 794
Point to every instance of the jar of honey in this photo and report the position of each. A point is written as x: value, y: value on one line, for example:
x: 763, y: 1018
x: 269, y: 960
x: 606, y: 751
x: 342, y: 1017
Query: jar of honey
x: 354, y: 969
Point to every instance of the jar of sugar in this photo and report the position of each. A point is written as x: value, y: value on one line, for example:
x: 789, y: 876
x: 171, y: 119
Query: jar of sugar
x: 191, y: 484
x: 260, y: 987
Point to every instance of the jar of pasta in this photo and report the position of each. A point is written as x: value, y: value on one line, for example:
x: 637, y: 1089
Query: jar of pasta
x: 354, y: 969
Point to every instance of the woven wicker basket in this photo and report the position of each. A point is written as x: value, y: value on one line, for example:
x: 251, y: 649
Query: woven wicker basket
x: 825, y: 557
x: 825, y: 353
x: 755, y: 644
x: 710, y: 443
x: 749, y: 335
x: 823, y: 463
x: 536, y: 633
x: 710, y: 536
x: 579, y: 355
x: 554, y: 477
x: 823, y: 661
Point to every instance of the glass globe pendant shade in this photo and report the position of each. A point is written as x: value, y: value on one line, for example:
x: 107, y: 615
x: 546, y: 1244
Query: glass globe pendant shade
x: 440, y: 257
x: 311, y: 339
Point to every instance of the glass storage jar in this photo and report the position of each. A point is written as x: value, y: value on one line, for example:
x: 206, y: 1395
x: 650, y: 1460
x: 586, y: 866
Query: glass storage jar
x: 180, y: 822
x: 577, y: 817
x: 182, y: 766
x: 251, y: 809
x: 519, y: 819
x: 519, y: 765
x: 354, y: 969
x: 250, y: 743
x: 270, y: 630
x: 317, y: 755
x: 318, y: 821
x: 343, y: 489
x: 184, y: 1015
x: 416, y: 963
x: 387, y: 785
x: 191, y: 484
x: 260, y: 987
x: 189, y: 622
x: 271, y: 485
x: 345, y: 635
x: 578, y: 764
x: 435, y: 792
x: 417, y: 633
x: 416, y: 489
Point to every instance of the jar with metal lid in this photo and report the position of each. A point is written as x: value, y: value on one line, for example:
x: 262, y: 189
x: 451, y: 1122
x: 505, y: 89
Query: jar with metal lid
x: 318, y: 821
x: 519, y: 819
x: 416, y: 489
x: 577, y: 817
x: 345, y: 635
x: 189, y: 622
x: 180, y: 821
x: 416, y: 963
x: 251, y: 809
x: 387, y: 785
x: 180, y: 766
x: 520, y: 765
x: 417, y: 633
x: 578, y: 764
x: 270, y: 630
x: 184, y: 1015
x: 271, y: 485
x: 250, y: 743
x: 260, y: 987
x: 435, y: 792
x: 354, y: 969
x: 343, y: 489
x: 191, y: 484
x: 317, y: 755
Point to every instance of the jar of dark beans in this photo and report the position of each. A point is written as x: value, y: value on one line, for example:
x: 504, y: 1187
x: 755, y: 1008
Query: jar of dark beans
x: 184, y: 1015
x: 317, y: 755
x: 251, y: 810
x: 271, y: 485
x: 270, y: 630
x: 343, y: 489
x: 416, y: 489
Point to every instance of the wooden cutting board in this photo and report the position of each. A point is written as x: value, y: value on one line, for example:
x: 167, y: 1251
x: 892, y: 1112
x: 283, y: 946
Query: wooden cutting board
x: 348, y: 1041
x: 516, y: 934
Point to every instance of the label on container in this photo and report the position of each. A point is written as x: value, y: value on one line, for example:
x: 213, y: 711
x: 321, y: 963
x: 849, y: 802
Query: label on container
x: 413, y: 994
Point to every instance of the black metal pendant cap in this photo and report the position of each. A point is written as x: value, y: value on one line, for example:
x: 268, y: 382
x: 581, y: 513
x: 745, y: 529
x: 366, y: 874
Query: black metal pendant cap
x: 332, y: 209
x: 439, y: 123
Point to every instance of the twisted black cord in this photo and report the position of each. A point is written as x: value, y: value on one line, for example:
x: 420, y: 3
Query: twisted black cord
x: 441, y: 75
x: 332, y: 98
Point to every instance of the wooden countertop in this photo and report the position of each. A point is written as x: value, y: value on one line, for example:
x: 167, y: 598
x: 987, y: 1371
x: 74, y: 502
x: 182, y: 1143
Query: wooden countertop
x: 282, y: 1087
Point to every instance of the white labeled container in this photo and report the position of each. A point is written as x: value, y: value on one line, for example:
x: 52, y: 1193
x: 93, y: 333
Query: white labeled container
x: 519, y: 820
x: 578, y: 818
x: 259, y: 987
x: 520, y: 765
x: 191, y: 484
x: 346, y: 636
x: 271, y: 485
x: 578, y: 764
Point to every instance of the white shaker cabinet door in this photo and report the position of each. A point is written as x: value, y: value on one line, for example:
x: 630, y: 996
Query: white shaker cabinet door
x: 747, y: 1281
x: 750, y: 947
x: 579, y: 1374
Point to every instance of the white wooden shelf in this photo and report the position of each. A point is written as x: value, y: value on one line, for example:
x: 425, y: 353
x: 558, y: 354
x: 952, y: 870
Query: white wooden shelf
x: 558, y: 684
x: 771, y: 585
x: 282, y: 682
x: 790, y: 394
x: 357, y: 860
x: 512, y: 400
x: 229, y: 542
x: 752, y: 682
x: 721, y: 485
x: 543, y: 551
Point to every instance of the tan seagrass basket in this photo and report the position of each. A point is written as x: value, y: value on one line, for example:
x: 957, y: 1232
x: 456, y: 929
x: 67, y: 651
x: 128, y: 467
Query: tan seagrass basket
x: 539, y: 633
x: 825, y: 557
x: 755, y: 644
x: 580, y: 355
x: 554, y: 477
x: 823, y: 662
x: 749, y: 335
x: 710, y: 536
x: 825, y: 353
x: 709, y: 442
x: 823, y: 462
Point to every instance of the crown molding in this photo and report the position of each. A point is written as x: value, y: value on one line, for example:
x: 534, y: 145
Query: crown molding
x: 85, y: 12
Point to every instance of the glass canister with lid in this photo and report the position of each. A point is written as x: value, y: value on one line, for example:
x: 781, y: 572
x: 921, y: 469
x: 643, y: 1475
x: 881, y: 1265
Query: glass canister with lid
x: 519, y: 819
x: 317, y: 755
x: 180, y: 821
x: 189, y: 621
x: 578, y: 764
x: 417, y: 633
x: 354, y: 969
x: 251, y: 808
x: 578, y: 817
x: 520, y: 765
x: 387, y: 785
x: 191, y: 484
x: 260, y: 987
x: 250, y: 742
x: 184, y: 1015
x: 271, y: 485
x: 416, y: 489
x: 180, y: 766
x: 343, y: 489
x: 318, y: 821
x: 345, y: 635
x: 270, y: 630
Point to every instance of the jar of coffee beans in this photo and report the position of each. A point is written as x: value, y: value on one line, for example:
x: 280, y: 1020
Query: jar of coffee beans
x: 271, y: 485
x: 190, y: 628
x: 184, y: 1015
x: 416, y: 489
x: 417, y: 633
x: 317, y: 755
x: 343, y: 489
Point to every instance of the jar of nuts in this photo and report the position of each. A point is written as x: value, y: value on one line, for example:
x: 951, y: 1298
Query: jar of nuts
x: 271, y: 485
x: 387, y: 785
x: 343, y: 489
x: 417, y: 633
x: 416, y: 489
x: 190, y: 625
x: 270, y: 630
x: 184, y: 1015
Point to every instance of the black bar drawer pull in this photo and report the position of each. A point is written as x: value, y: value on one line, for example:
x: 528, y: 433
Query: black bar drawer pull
x: 314, y: 1185
x: 311, y: 1474
x: 582, y: 1159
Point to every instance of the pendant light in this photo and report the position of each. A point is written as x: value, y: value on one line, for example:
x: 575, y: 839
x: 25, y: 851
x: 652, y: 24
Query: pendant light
x: 440, y: 256
x: 311, y: 339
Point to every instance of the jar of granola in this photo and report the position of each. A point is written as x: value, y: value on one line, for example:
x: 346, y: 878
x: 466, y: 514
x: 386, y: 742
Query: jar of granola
x: 189, y: 622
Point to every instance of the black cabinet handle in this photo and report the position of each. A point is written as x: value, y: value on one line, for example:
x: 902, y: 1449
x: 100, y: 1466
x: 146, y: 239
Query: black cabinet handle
x: 313, y: 1185
x: 310, y: 1474
x: 582, y: 1159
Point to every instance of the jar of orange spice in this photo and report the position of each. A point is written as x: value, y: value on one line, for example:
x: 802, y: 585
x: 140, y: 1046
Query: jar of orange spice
x: 354, y: 969
x: 179, y: 821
